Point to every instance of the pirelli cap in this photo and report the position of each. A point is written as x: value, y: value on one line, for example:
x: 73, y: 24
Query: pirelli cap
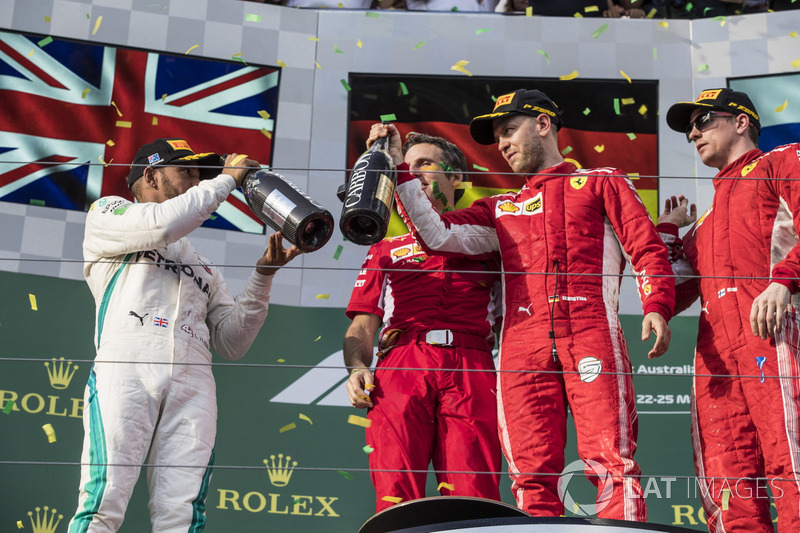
x: 163, y: 151
x: 727, y: 100
x: 527, y: 102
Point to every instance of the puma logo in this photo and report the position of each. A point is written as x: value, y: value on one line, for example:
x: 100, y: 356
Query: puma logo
x: 141, y: 318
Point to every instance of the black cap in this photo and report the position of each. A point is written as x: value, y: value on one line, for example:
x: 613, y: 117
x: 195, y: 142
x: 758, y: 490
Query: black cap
x: 527, y: 102
x: 726, y: 100
x: 163, y: 151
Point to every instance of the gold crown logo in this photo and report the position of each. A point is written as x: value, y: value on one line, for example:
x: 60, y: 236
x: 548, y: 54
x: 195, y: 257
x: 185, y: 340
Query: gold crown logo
x: 60, y: 374
x: 43, y: 524
x: 280, y: 473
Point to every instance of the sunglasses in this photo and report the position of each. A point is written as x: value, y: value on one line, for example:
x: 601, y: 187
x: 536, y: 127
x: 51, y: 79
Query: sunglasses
x: 703, y: 122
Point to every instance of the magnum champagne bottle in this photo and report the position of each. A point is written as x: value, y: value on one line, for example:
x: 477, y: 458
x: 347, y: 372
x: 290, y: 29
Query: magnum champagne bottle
x: 369, y: 196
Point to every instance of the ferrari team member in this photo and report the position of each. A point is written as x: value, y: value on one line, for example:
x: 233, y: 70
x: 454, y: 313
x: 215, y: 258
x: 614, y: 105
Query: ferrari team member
x: 160, y: 308
x: 432, y: 397
x: 746, y: 393
x: 564, y: 239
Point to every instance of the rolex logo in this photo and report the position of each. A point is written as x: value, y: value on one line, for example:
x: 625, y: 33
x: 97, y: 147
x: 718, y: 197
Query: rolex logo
x: 60, y: 374
x: 280, y: 472
x: 43, y: 523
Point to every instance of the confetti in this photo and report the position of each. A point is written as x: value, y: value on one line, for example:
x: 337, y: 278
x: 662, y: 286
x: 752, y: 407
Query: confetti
x: 721, y: 20
x: 281, y: 64
x: 577, y: 15
x: 110, y: 142
x: 632, y: 136
x: 403, y: 88
x: 460, y: 67
x: 345, y: 85
x: 599, y: 148
x: 50, y: 432
x: 323, y: 296
x: 264, y: 114
x: 419, y: 45
x: 301, y: 416
x: 566, y: 150
x: 616, y: 106
x: 368, y: 449
x: 705, y: 67
x: 37, y: 202
x: 449, y: 486
x: 359, y: 43
x: 782, y: 107
x: 633, y: 175
x: 599, y: 31
x: 266, y: 133
x: 477, y: 167
x: 653, y: 12
x: 124, y: 124
x: 726, y: 496
x: 359, y: 421
x: 389, y: 118
x: 164, y: 97
x: 628, y: 101
x: 44, y: 42
x: 46, y: 18
x: 663, y: 23
x: 318, y: 65
x: 543, y: 53
x: 115, y: 107
x: 32, y: 298
x: 318, y: 338
x: 288, y: 427
x: 462, y: 185
x: 190, y: 49
x: 590, y: 9
x: 643, y: 110
x: 345, y: 475
x: 155, y: 121
x: 793, y: 35
x: 393, y: 499
x: 655, y: 53
x: 625, y: 76
x: 237, y: 57
x: 9, y: 406
x: 371, y: 14
x: 484, y: 30
x: 281, y: 360
x: 315, y: 39
x: 587, y: 111
x: 252, y: 18
x: 571, y: 76
x: 796, y: 63
x: 97, y: 24
x: 100, y: 158
x: 338, y: 252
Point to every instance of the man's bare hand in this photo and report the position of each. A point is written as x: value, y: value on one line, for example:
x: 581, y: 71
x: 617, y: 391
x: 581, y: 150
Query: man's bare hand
x: 276, y: 255
x: 360, y: 382
x: 237, y: 166
x: 657, y: 324
x: 395, y: 141
x: 767, y: 312
x: 677, y: 211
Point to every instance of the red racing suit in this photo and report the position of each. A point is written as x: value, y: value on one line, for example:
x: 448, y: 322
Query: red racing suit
x: 746, y: 392
x: 559, y: 239
x: 422, y: 413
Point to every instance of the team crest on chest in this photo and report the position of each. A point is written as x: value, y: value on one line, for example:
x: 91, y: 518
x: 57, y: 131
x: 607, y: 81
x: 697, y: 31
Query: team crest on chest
x: 577, y: 182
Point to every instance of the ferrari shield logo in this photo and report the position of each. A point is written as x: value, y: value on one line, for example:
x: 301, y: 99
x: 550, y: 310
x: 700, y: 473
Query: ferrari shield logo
x: 577, y: 182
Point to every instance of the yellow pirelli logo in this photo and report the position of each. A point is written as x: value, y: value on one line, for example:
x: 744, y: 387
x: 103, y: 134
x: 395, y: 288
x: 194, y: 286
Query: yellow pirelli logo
x: 180, y: 145
x: 708, y: 95
x: 503, y: 100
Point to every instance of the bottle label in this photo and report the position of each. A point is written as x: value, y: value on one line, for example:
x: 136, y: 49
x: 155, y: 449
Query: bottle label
x: 385, y: 192
x: 278, y: 207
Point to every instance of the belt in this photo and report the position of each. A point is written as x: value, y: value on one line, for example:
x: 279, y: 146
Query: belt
x: 444, y: 337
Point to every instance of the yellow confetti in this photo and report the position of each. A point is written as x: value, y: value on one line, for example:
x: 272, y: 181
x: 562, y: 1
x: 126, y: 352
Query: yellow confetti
x: 323, y: 296
x: 315, y: 39
x: 464, y: 185
x: 627, y: 78
x: 796, y: 63
x: 32, y: 298
x: 97, y: 24
x: 124, y: 124
x: 190, y: 49
x: 369, y: 386
x: 643, y: 110
x: 164, y: 97
x: 301, y: 416
x: 50, y: 432
x: 653, y: 12
x: 318, y: 65
x: 599, y: 148
x: 110, y: 142
x: 782, y: 107
x: 100, y: 158
x: 30, y: 54
x: 726, y: 496
x: 281, y: 64
x: 628, y: 101
x: 19, y: 522
x: 84, y: 93
x: 663, y: 23
x: 448, y: 486
x: 263, y: 114
x: 267, y: 133
x: 155, y: 121
x: 793, y: 35
x: 570, y: 76
x: 288, y: 427
x: 529, y: 11
x: 633, y: 175
x: 587, y: 9
x: 359, y: 421
x: 393, y: 499
x: 359, y: 43
x: 577, y: 15
x: 281, y: 360
x: 115, y: 107
x: 318, y: 338
x: 46, y: 19
x: 573, y: 161
x: 460, y: 67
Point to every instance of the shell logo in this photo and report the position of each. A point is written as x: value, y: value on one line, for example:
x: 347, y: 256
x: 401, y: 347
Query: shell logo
x: 401, y: 252
x: 508, y: 207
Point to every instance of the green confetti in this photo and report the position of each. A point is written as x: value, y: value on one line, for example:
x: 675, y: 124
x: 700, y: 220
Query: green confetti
x: 36, y: 202
x: 631, y: 136
x: 494, y: 98
x: 388, y: 118
x: 337, y: 49
x: 702, y: 67
x: 587, y: 111
x: 419, y: 45
x: 543, y: 53
x: 439, y: 195
x: 454, y: 8
x: 720, y: 18
x: 237, y: 58
x: 213, y: 217
x: 599, y: 31
x: 338, y: 252
x: 368, y: 449
x: 88, y: 16
x: 252, y: 18
x: 706, y: 10
x: 345, y: 85
x: 484, y: 30
x: 616, y: 106
x: 566, y: 150
x: 371, y: 14
x: 655, y: 53
x: 476, y: 167
x: 296, y: 501
x: 44, y: 42
x: 689, y: 6
x: 345, y: 475
x: 403, y: 88
x: 10, y: 405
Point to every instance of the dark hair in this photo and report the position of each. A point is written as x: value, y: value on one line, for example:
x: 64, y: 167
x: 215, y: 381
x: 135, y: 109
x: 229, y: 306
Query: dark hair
x: 453, y: 160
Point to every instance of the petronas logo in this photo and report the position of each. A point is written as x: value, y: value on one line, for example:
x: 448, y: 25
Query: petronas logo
x: 44, y: 523
x: 60, y: 374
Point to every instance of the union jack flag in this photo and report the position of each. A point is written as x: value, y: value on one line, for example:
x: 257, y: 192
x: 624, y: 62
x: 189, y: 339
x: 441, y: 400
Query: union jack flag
x: 162, y: 322
x: 74, y: 115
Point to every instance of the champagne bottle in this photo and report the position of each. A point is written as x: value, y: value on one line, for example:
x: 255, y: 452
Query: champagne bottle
x: 369, y: 196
